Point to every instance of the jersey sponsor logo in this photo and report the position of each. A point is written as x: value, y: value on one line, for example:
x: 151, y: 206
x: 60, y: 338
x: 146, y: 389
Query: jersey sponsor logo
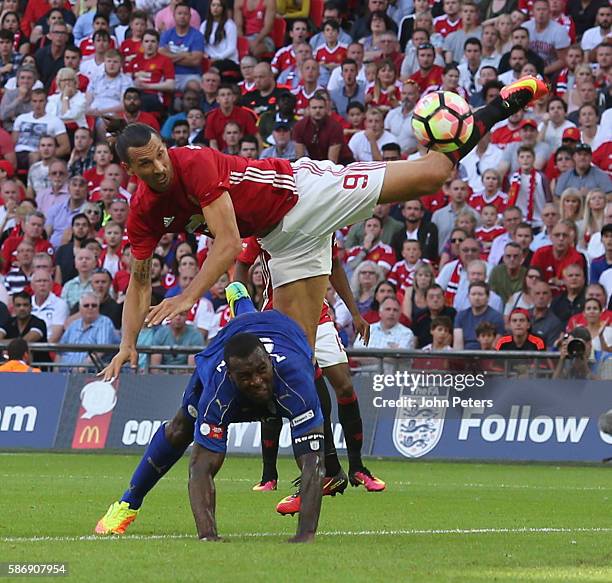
x: 168, y: 221
x: 302, y: 418
x: 212, y: 431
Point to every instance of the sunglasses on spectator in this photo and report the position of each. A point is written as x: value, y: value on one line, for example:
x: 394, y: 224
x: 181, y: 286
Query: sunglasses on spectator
x: 91, y: 305
x: 92, y: 212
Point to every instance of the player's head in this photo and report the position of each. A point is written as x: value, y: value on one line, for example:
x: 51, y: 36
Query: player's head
x: 249, y: 367
x: 143, y: 153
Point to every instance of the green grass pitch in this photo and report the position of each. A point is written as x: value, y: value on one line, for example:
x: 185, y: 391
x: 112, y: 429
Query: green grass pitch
x: 436, y: 522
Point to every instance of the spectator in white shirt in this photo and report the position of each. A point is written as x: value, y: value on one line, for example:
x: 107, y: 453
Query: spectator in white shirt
x: 388, y: 332
x: 47, y: 306
x: 69, y: 104
x: 598, y: 34
x: 105, y: 92
x: 399, y: 119
x: 366, y: 145
x: 30, y: 127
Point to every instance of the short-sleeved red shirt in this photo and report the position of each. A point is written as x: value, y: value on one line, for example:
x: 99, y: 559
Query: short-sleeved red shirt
x: 159, y: 68
x: 433, y: 77
x: 216, y: 122
x: 550, y: 266
x: 327, y: 133
x: 130, y: 49
x: 262, y: 192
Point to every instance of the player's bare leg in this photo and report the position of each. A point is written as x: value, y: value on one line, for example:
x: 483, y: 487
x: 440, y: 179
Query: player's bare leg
x: 409, y: 179
x: 302, y: 300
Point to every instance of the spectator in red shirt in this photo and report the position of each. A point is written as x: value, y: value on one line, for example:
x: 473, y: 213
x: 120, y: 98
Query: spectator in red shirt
x: 33, y: 229
x: 372, y: 249
x: 317, y: 135
x: 450, y: 20
x: 132, y: 47
x: 551, y: 260
x: 285, y: 56
x: 7, y: 148
x: 428, y: 74
x: 132, y: 112
x: 102, y: 157
x: 227, y: 111
x: 153, y: 73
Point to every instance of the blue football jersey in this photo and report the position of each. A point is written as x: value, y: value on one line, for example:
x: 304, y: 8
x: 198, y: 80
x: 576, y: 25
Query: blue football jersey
x: 295, y: 396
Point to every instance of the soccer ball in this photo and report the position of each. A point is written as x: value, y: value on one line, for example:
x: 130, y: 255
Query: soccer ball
x: 442, y: 121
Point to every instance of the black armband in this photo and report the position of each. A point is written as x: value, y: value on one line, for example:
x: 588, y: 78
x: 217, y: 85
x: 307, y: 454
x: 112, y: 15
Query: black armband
x: 309, y: 443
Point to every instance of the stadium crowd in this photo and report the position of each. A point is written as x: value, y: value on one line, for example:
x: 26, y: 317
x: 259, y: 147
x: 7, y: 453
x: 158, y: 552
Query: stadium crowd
x: 515, y: 249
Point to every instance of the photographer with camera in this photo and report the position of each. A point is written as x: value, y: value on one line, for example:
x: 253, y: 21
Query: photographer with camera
x: 575, y: 349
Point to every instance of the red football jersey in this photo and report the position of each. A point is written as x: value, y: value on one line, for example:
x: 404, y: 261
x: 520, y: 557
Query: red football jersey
x: 262, y: 192
x: 9, y: 250
x: 216, y: 121
x: 401, y: 275
x: 93, y: 179
x: 380, y: 253
x: 159, y: 68
x: 433, y: 77
x: 88, y: 48
x: 302, y: 99
x: 324, y: 54
x: 130, y: 49
x: 444, y: 25
x: 504, y: 135
x: 550, y: 266
x: 479, y: 200
x: 251, y: 249
x: 284, y: 58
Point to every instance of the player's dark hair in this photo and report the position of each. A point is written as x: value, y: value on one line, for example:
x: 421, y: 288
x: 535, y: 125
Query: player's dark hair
x: 557, y: 99
x: 100, y: 15
x: 151, y: 32
x: 241, y: 346
x: 486, y: 328
x: 78, y: 217
x: 443, y: 321
x: 100, y: 34
x: 73, y: 49
x: 333, y: 23
x: 178, y: 123
x: 481, y: 284
x: 132, y: 90
x: 356, y: 104
x: 24, y: 295
x: 472, y: 41
x: 391, y: 147
x: 17, y: 349
x: 133, y: 135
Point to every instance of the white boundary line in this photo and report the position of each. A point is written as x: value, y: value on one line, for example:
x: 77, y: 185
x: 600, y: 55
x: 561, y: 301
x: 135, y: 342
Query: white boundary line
x: 401, y: 532
x: 444, y: 485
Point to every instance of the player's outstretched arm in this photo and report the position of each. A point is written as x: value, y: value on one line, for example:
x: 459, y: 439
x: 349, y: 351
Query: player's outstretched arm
x: 221, y: 220
x: 311, y: 483
x: 203, y: 468
x: 135, y: 308
x: 341, y: 284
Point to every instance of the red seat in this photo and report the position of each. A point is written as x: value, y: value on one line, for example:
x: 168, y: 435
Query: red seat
x: 278, y: 32
x: 316, y: 12
x: 243, y: 46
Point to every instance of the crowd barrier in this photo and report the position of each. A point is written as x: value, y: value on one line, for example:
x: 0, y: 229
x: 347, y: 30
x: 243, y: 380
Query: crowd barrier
x: 407, y: 413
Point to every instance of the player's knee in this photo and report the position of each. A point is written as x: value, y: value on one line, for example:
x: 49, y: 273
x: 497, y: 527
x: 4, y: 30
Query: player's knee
x: 179, y: 431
